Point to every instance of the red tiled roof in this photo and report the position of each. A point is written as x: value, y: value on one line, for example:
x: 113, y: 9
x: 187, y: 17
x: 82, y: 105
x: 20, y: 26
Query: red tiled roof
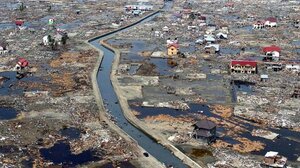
x: 187, y: 11
x: 271, y: 48
x: 258, y: 22
x: 19, y: 22
x: 174, y: 45
x: 244, y: 63
x: 23, y: 62
x: 271, y: 19
x: 229, y: 4
x: 202, y: 17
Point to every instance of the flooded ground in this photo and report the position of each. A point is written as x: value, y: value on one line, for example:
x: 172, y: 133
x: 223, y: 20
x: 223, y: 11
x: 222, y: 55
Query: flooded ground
x: 288, y: 143
x: 61, y: 153
x: 5, y: 26
x: 133, y: 69
x: 134, y: 46
x: 153, y: 111
x: 217, y: 84
x: 297, y: 51
x: 203, y: 154
x: 7, y: 113
x: 10, y: 81
x: 190, y: 48
x: 296, y: 43
x: 118, y: 165
x: 55, y: 96
x: 161, y: 66
x: 109, y: 97
x: 241, y: 86
x: 283, y: 145
x: 71, y: 133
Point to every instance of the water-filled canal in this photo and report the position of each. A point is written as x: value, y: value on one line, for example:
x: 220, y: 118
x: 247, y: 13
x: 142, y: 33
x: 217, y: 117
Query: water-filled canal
x: 110, y: 98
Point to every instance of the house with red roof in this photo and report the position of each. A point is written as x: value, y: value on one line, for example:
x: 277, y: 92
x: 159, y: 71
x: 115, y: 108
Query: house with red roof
x: 270, y: 22
x: 186, y: 13
x: 272, y: 53
x: 19, y: 22
x: 202, y: 18
x: 229, y: 5
x: 21, y: 64
x: 173, y: 49
x: 271, y: 49
x: 243, y: 66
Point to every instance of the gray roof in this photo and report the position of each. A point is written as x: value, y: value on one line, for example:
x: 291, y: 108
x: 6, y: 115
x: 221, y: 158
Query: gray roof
x: 263, y: 76
x: 203, y: 133
x: 205, y: 124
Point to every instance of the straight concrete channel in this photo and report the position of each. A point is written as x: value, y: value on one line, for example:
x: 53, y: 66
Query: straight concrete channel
x: 110, y: 98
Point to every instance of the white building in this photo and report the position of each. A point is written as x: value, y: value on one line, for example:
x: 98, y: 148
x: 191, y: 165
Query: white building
x: 292, y: 67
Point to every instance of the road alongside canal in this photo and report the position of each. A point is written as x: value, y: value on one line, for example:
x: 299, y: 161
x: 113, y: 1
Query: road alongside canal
x: 112, y: 106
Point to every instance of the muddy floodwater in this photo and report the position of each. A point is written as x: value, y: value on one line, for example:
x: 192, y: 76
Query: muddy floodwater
x: 119, y: 165
x: 7, y: 113
x: 201, y: 154
x: 8, y: 82
x: 70, y: 133
x: 61, y: 153
x: 154, y: 111
x: 288, y: 143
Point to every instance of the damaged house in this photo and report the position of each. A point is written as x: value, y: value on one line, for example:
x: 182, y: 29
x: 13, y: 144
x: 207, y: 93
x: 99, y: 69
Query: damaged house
x: 205, y: 130
x: 3, y: 47
x: 173, y: 49
x: 212, y: 48
x: 243, y: 66
x: 229, y: 5
x: 140, y: 6
x: 272, y: 159
x: 19, y: 22
x: 272, y: 53
x: 270, y: 22
x: 273, y: 66
x: 296, y: 23
x: 222, y: 35
x: 60, y: 38
x: 209, y: 38
x: 258, y: 25
x: 296, y: 93
x: 293, y: 68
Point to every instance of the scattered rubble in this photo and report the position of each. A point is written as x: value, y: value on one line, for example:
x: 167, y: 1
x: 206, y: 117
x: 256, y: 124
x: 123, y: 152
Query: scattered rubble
x: 237, y: 59
x: 51, y: 88
x: 264, y: 134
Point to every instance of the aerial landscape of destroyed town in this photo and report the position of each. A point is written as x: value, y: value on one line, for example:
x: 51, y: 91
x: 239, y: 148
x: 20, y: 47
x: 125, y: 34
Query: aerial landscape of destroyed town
x: 150, y: 83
